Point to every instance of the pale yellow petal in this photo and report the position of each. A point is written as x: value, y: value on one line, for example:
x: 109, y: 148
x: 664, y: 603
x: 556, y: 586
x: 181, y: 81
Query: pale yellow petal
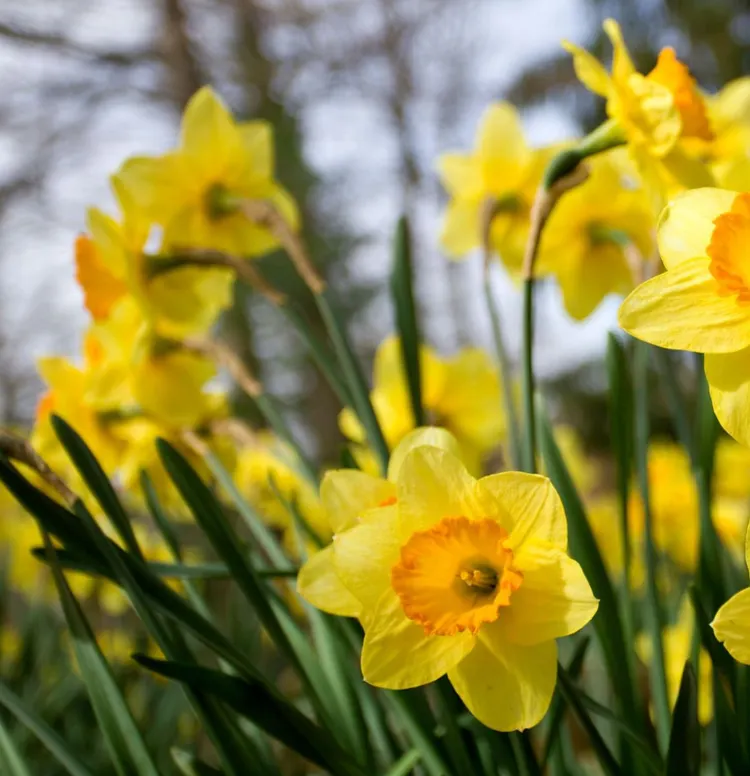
x: 319, y: 584
x: 461, y: 175
x: 364, y: 555
x: 507, y: 686
x: 347, y: 493
x: 428, y: 436
x: 396, y: 653
x: 622, y: 65
x: 589, y: 70
x: 434, y: 484
x: 554, y: 599
x: 732, y: 626
x: 159, y: 184
x: 533, y: 508
x: 501, y: 133
x: 460, y: 231
x: 683, y: 310
x: 728, y: 376
x: 687, y: 223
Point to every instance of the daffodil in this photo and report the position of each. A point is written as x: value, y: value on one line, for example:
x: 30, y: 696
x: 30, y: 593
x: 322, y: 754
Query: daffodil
x: 728, y: 153
x: 701, y: 302
x: 732, y: 622
x: 461, y: 394
x: 656, y: 113
x: 468, y: 578
x: 112, y: 265
x: 194, y: 192
x: 502, y: 169
x: 677, y: 640
x: 596, y: 236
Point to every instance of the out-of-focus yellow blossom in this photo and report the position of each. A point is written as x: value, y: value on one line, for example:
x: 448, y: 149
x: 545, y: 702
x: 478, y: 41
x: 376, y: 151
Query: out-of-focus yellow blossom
x: 677, y: 640
x: 503, y: 168
x: 466, y: 577
x: 595, y: 237
x: 732, y: 470
x: 701, y: 302
x: 582, y: 469
x: 656, y: 113
x: 460, y: 393
x: 10, y: 646
x: 269, y: 462
x: 111, y: 264
x: 352, y: 498
x: 193, y: 192
x: 732, y: 622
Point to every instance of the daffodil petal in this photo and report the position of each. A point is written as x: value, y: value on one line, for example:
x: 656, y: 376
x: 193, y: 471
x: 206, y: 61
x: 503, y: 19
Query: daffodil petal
x: 622, y: 65
x: 365, y: 554
x: 460, y: 231
x: 434, y: 484
x: 500, y: 133
x: 589, y: 70
x: 347, y: 493
x: 319, y: 584
x: 396, y: 653
x: 683, y: 310
x: 428, y: 436
x: 507, y: 686
x: 460, y: 174
x: 728, y: 376
x: 533, y: 507
x: 687, y: 223
x: 732, y: 626
x: 554, y: 599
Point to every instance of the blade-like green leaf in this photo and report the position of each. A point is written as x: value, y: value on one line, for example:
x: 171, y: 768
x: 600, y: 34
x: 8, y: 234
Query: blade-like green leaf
x: 54, y: 743
x: 282, y: 721
x: 12, y: 762
x: 405, y: 764
x: 684, y: 753
x: 124, y: 741
x: 190, y: 765
x: 402, y: 294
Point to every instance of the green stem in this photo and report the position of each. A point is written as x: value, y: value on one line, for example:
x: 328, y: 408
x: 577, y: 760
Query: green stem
x: 527, y: 376
x: 506, y: 375
x: 653, y: 614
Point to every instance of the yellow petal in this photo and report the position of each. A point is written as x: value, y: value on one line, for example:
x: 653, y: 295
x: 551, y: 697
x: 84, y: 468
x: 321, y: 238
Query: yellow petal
x: 434, y: 484
x: 319, y: 584
x: 396, y: 653
x: 532, y: 505
x: 153, y: 181
x: 728, y: 376
x: 589, y: 70
x: 428, y: 436
x: 347, y: 493
x: 257, y: 143
x: 210, y: 139
x: 682, y: 309
x: 687, y: 223
x: 622, y: 65
x: 554, y: 599
x: 500, y: 133
x: 507, y: 686
x: 747, y: 547
x: 364, y: 555
x: 732, y: 626
x: 460, y: 233
x: 461, y: 175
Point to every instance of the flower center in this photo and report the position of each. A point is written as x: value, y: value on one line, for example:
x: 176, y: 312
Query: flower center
x: 673, y: 74
x: 729, y: 250
x: 218, y: 202
x: 455, y: 576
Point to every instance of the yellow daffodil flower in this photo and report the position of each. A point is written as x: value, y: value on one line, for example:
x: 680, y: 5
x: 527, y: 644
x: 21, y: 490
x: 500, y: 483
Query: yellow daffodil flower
x: 732, y: 622
x: 502, y: 168
x: 677, y: 640
x: 656, y: 112
x: 728, y: 154
x: 466, y: 577
x: 193, y: 192
x: 701, y: 302
x: 111, y: 264
x: 461, y: 393
x: 594, y: 241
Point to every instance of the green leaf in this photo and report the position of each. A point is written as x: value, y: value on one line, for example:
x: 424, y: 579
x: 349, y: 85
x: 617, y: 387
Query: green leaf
x: 11, y: 760
x: 357, y: 384
x: 601, y: 750
x: 54, y: 743
x: 583, y: 547
x: 190, y: 765
x: 402, y: 294
x: 684, y: 753
x: 279, y: 719
x: 97, y: 481
x: 124, y: 741
x: 405, y: 764
x: 528, y: 450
